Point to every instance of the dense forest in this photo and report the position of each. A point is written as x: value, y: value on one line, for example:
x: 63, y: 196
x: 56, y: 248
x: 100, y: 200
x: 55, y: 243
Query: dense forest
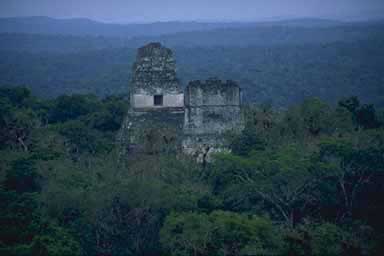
x: 278, y: 62
x: 307, y: 180
x: 304, y: 177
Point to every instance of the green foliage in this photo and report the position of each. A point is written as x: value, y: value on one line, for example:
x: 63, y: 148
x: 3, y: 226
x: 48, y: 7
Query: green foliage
x: 17, y: 217
x: 315, y: 239
x: 219, y: 233
x: 343, y: 121
x: 247, y: 141
x: 16, y: 125
x: 302, y: 181
x: 23, y: 230
x: 84, y: 139
x: 310, y: 119
x: 52, y: 240
x: 22, y: 177
x: 16, y: 96
x: 352, y: 169
x: 327, y: 239
x: 316, y: 116
x: 351, y: 104
x: 55, y: 241
x: 282, y: 180
x: 72, y: 107
x: 364, y: 116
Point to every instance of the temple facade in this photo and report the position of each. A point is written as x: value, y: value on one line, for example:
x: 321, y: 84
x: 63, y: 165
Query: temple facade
x: 164, y: 117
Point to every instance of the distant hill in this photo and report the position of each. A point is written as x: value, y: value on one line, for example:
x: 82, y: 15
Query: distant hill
x: 267, y: 34
x: 55, y: 35
x: 301, y: 22
x: 87, y: 27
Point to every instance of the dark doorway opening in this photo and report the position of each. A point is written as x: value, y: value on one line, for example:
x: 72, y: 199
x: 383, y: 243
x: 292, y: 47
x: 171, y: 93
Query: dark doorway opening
x: 158, y: 100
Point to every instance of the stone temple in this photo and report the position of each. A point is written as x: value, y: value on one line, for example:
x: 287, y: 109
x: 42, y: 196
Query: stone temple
x: 154, y: 84
x: 164, y: 117
x: 211, y: 109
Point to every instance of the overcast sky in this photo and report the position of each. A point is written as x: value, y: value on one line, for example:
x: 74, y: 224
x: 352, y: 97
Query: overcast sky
x: 125, y: 11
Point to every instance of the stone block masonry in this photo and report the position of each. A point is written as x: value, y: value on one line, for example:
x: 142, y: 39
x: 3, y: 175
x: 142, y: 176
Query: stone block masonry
x: 163, y: 117
x: 154, y: 83
x: 211, y: 107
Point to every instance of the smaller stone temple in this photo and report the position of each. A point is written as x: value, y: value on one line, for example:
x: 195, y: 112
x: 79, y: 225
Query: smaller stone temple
x: 211, y: 109
x: 164, y: 117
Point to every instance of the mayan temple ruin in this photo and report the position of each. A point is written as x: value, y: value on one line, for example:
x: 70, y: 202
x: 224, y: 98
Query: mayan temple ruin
x: 164, y: 117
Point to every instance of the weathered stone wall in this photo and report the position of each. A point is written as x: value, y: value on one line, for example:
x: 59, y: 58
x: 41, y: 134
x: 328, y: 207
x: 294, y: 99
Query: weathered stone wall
x: 154, y: 73
x: 212, y: 92
x: 151, y: 128
x: 155, y: 70
x: 202, y: 147
x: 211, y: 119
x: 194, y: 123
x: 153, y: 131
x: 212, y: 107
